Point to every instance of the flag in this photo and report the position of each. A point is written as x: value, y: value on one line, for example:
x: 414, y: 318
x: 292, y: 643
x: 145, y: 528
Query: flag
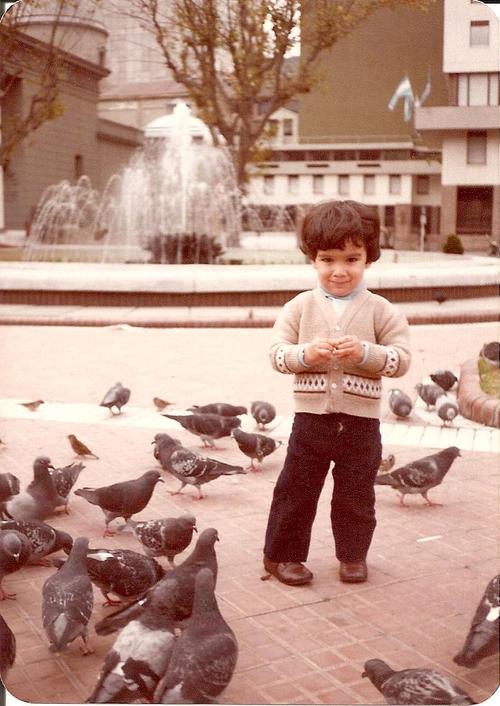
x: 427, y: 90
x: 404, y: 91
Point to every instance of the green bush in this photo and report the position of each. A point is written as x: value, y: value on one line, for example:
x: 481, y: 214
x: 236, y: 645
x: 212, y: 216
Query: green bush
x: 453, y: 245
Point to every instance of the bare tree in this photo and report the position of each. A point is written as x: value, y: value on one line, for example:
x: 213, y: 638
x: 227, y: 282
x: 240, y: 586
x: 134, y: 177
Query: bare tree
x: 231, y: 55
x: 38, y: 62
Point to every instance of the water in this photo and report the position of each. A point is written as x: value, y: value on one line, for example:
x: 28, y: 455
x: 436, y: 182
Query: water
x: 176, y: 201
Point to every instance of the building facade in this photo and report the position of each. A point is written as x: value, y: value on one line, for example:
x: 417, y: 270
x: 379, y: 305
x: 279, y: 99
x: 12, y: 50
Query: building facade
x: 466, y: 128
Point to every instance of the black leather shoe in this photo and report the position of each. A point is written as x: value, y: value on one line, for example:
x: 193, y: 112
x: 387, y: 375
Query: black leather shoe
x: 353, y: 571
x: 293, y: 573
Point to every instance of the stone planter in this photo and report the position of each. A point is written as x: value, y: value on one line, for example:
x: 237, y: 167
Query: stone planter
x: 473, y: 402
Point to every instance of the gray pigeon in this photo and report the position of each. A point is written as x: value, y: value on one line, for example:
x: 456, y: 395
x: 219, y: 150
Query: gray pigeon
x: 446, y: 408
x: 413, y: 686
x: 67, y: 601
x: 123, y: 572
x: 43, y: 539
x: 15, y: 552
x: 400, y: 403
x: 117, y: 396
x: 482, y: 638
x: 193, y: 469
x: 429, y: 393
x: 64, y: 479
x: 141, y: 652
x: 205, y: 655
x: 122, y: 499
x: 387, y: 463
x: 165, y: 445
x: 7, y: 649
x: 255, y: 446
x: 203, y: 555
x: 421, y: 475
x: 444, y: 378
x: 9, y: 486
x: 223, y: 409
x: 207, y: 426
x: 40, y: 498
x: 165, y: 537
x: 262, y: 412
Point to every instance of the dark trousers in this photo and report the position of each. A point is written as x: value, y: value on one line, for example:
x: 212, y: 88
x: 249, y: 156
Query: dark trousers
x: 354, y: 445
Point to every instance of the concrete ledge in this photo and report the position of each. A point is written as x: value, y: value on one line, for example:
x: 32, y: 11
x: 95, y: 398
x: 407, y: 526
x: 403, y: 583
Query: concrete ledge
x: 473, y: 403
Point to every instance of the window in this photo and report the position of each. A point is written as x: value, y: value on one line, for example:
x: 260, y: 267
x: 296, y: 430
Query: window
x: 394, y: 184
x: 423, y: 184
x: 269, y: 185
x: 479, y: 33
x: 78, y: 166
x: 474, y: 209
x: 101, y: 55
x: 272, y: 127
x: 293, y: 184
x: 287, y: 127
x: 476, y: 147
x: 478, y: 89
x: 368, y: 184
x: 369, y: 155
x: 318, y: 184
x: 344, y: 184
x: 389, y: 217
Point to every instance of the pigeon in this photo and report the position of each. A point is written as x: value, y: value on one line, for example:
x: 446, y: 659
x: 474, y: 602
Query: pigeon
x: 255, y: 446
x: 203, y: 555
x: 444, y: 378
x: 413, y: 686
x: 7, y: 649
x: 429, y: 393
x: 263, y: 413
x: 117, y: 396
x: 141, y: 652
x: 387, y: 463
x: 223, y: 409
x: 123, y: 572
x: 166, y: 537
x: 482, y: 639
x: 161, y: 404
x: 446, y: 408
x: 67, y: 601
x: 193, y: 469
x: 43, y: 539
x: 122, y: 499
x: 64, y: 479
x: 204, y: 656
x: 40, y: 498
x: 32, y: 406
x: 207, y: 426
x: 165, y: 445
x: 15, y: 552
x: 9, y: 486
x: 421, y: 475
x: 79, y: 447
x: 400, y: 403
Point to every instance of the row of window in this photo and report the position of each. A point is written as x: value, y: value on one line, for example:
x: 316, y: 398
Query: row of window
x: 478, y: 89
x: 352, y: 155
x: 343, y: 184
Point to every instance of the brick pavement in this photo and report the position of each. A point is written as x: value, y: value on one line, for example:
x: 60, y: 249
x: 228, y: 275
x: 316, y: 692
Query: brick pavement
x: 429, y: 566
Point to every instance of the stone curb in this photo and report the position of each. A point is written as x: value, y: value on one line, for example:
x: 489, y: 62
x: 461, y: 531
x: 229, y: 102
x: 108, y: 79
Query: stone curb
x: 473, y: 403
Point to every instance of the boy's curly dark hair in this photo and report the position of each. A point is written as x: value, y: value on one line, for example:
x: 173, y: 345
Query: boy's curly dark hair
x: 330, y: 223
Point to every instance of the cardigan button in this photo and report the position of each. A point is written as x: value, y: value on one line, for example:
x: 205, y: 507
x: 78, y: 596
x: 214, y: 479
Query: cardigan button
x: 334, y: 385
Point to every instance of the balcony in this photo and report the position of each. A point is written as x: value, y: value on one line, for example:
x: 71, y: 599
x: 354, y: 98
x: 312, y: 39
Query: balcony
x: 452, y: 117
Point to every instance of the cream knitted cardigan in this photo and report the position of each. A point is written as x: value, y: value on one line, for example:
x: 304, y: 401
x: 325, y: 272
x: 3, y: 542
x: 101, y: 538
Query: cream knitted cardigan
x: 339, y: 386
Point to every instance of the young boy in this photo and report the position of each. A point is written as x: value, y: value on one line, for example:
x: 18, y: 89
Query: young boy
x: 337, y: 340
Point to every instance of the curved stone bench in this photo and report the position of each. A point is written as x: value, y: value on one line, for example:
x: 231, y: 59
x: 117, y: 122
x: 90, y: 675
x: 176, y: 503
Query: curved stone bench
x: 473, y: 402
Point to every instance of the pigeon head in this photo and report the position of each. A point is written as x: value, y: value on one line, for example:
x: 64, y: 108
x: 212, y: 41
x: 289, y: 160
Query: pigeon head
x: 13, y: 543
x: 241, y: 410
x: 377, y: 672
x: 452, y: 451
x: 231, y: 422
x: 42, y: 463
x: 208, y: 538
x: 189, y: 520
x: 152, y: 477
x: 64, y: 541
x: 164, y: 440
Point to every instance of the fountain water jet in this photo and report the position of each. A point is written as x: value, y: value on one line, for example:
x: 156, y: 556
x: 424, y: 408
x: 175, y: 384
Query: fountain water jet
x: 177, y: 198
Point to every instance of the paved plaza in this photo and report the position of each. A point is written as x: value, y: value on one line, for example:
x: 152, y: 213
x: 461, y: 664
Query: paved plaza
x: 428, y: 565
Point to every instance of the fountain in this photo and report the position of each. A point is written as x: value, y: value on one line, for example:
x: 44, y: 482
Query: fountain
x: 176, y: 201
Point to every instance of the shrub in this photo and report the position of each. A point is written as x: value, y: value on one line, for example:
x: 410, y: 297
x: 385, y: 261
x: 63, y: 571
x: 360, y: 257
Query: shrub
x: 184, y: 248
x: 453, y: 245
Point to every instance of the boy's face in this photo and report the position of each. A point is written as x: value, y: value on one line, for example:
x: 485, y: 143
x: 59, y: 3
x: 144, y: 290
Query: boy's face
x: 340, y: 271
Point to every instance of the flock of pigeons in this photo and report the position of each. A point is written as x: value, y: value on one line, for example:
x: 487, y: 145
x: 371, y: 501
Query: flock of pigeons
x: 435, y: 394
x: 173, y: 644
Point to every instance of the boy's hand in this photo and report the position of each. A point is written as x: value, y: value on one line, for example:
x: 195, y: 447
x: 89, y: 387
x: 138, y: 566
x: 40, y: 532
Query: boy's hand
x: 349, y: 348
x: 318, y: 350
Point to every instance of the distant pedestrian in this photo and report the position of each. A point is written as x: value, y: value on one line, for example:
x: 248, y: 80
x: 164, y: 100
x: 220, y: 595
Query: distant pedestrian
x: 338, y: 340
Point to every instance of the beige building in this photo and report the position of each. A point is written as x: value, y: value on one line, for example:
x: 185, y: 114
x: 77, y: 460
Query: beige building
x: 466, y: 127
